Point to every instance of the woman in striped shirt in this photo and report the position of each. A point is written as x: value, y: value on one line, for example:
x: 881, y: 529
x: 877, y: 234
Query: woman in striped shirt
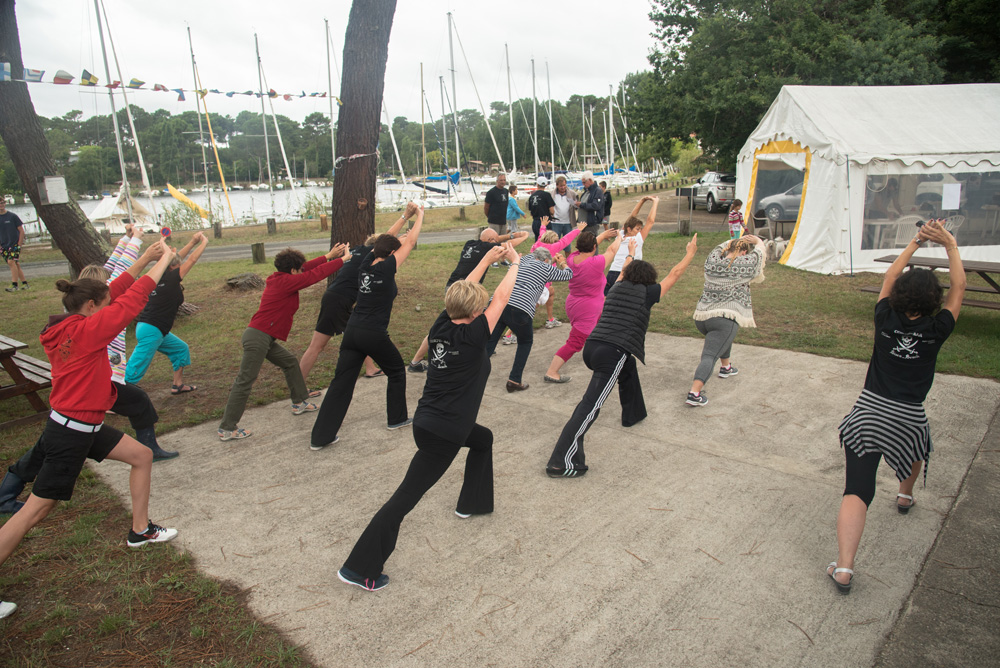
x: 888, y: 419
x: 536, y: 271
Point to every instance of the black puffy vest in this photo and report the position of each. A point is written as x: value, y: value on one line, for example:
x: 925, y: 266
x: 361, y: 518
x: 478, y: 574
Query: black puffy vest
x: 625, y: 319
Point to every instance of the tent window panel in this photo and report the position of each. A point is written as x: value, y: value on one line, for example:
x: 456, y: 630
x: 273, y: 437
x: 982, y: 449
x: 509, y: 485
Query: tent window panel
x: 778, y: 193
x: 968, y: 201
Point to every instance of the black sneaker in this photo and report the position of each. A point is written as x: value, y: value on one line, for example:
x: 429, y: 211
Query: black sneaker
x: 696, y: 399
x: 320, y: 447
x: 153, y: 534
x: 554, y: 472
x: 727, y: 372
x: 350, y: 577
x: 417, y: 367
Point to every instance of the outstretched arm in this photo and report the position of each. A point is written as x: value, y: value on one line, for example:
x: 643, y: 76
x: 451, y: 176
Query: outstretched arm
x: 489, y: 257
x: 935, y: 232
x: 650, y: 217
x: 410, y: 242
x: 193, y: 258
x: 638, y: 205
x: 609, y: 254
x: 897, y: 267
x: 183, y: 252
x: 628, y: 258
x: 502, y: 294
x: 409, y: 212
x: 680, y: 267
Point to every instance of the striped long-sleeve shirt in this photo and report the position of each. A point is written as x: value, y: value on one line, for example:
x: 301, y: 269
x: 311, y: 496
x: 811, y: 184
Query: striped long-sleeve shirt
x: 531, y: 279
x: 123, y: 257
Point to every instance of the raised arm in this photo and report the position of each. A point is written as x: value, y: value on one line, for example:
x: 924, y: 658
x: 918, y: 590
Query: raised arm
x: 408, y: 212
x: 638, y: 205
x: 897, y: 267
x: 489, y: 257
x: 680, y: 267
x: 628, y: 258
x: 650, y: 217
x: 502, y: 294
x: 151, y: 254
x: 410, y: 242
x: 609, y: 254
x: 156, y: 271
x: 193, y: 257
x: 183, y: 252
x: 935, y: 232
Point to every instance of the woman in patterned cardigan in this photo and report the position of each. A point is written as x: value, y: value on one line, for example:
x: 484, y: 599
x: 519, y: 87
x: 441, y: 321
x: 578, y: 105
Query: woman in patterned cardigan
x: 725, y: 306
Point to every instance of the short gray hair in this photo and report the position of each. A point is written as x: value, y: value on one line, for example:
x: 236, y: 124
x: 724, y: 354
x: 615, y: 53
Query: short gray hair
x: 587, y: 176
x: 542, y: 255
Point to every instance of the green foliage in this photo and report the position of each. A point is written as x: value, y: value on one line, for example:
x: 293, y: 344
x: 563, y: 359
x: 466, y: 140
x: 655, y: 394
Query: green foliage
x: 179, y: 217
x: 314, y: 205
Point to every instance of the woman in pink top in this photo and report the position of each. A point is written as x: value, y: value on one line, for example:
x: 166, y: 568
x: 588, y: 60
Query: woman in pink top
x: 554, y: 244
x: 586, y: 296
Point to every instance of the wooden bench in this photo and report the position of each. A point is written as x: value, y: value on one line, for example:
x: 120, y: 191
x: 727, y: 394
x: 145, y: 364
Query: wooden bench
x: 27, y: 375
x: 965, y: 302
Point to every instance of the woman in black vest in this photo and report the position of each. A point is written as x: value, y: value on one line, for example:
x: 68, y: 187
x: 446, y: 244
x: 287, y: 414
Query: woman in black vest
x: 610, y: 352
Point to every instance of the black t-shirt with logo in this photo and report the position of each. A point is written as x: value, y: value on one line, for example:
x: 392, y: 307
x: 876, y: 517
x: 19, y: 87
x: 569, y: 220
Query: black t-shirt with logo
x: 496, y: 197
x: 161, y: 309
x: 346, y: 281
x: 905, y: 353
x: 472, y: 254
x: 458, y: 369
x: 540, y: 203
x: 376, y: 292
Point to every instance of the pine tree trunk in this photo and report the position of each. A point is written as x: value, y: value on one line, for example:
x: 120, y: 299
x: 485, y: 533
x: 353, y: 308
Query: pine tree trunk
x: 366, y: 49
x: 22, y: 134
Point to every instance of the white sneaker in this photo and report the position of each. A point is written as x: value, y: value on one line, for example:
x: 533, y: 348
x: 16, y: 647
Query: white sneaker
x: 510, y: 339
x: 552, y: 323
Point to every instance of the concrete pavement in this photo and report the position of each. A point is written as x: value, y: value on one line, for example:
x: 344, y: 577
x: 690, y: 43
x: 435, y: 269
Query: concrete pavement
x: 698, y: 538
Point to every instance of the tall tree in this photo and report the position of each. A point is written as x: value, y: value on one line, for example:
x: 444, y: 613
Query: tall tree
x: 366, y: 50
x: 22, y: 134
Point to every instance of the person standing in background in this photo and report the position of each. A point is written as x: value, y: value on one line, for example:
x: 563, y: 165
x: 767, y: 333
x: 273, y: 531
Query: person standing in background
x: 11, y: 240
x: 495, y: 205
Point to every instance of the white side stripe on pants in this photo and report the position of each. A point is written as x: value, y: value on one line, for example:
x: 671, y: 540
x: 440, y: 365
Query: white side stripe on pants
x: 568, y: 460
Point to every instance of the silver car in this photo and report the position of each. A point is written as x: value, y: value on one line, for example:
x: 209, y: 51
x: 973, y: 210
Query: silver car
x: 715, y: 190
x: 783, y: 206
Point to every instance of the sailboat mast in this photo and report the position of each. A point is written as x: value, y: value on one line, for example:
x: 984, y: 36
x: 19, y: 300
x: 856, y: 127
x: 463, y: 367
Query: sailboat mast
x: 583, y: 146
x: 534, y: 114
x: 263, y: 118
x: 611, y: 133
x: 201, y: 129
x: 329, y: 89
x: 423, y: 137
x: 510, y: 111
x: 604, y: 122
x: 454, y: 98
x: 552, y: 134
x: 444, y: 135
x: 114, y: 115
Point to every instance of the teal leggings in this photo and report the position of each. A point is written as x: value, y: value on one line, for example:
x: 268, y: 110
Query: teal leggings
x: 149, y: 341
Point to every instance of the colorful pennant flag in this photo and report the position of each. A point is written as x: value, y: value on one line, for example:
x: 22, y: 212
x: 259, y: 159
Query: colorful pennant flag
x: 287, y: 97
x: 113, y: 85
x: 216, y: 91
x: 88, y: 79
x: 136, y: 83
x: 231, y: 93
x: 160, y: 87
x: 180, y: 93
x: 62, y: 77
x: 33, y: 75
x: 248, y: 92
x: 5, y: 72
x: 272, y: 93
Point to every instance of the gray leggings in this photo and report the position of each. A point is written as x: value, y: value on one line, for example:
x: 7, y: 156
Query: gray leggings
x: 719, y: 336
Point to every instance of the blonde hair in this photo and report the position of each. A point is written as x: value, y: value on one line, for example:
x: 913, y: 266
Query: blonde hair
x: 465, y: 299
x: 370, y: 241
x: 741, y: 245
x: 550, y: 237
x: 98, y: 272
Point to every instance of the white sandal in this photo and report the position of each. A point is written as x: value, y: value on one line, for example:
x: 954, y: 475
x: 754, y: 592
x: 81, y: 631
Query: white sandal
x: 841, y: 587
x: 904, y: 509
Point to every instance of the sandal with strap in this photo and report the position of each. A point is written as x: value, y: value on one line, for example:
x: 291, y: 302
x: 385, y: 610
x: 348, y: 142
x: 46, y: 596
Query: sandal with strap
x: 900, y: 507
x: 314, y: 393
x: 841, y: 587
x: 181, y: 389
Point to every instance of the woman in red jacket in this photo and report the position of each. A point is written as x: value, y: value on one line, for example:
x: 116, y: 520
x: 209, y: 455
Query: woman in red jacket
x: 76, y: 343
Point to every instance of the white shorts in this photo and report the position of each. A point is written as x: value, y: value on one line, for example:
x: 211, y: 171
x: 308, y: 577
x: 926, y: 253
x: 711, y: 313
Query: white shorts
x: 544, y: 297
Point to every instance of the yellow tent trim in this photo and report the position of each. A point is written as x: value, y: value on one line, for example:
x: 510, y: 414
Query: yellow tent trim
x: 782, y: 146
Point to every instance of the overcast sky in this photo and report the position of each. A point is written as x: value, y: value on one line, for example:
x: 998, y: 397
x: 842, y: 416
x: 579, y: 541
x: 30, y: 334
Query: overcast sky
x: 588, y: 46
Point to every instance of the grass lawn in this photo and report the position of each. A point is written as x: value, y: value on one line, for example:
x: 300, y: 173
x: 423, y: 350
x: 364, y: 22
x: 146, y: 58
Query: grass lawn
x: 87, y: 599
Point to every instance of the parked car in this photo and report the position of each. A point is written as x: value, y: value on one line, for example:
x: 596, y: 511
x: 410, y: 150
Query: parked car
x: 715, y: 191
x: 783, y: 206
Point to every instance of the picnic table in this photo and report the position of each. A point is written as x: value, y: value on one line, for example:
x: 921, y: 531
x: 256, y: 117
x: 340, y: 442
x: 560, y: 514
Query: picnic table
x: 28, y: 375
x: 983, y: 269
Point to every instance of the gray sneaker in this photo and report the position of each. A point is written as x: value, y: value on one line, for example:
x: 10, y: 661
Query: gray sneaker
x: 696, y: 399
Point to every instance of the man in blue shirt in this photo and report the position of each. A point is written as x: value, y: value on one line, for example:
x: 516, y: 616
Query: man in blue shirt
x: 11, y: 240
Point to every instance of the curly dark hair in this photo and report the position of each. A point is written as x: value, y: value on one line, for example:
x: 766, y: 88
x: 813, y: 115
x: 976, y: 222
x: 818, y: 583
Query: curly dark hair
x: 916, y: 292
x: 289, y: 259
x: 641, y: 272
x: 586, y: 242
x: 385, y: 244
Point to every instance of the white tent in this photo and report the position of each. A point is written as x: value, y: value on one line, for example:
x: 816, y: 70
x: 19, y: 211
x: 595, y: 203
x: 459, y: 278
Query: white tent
x: 869, y: 162
x: 112, y: 212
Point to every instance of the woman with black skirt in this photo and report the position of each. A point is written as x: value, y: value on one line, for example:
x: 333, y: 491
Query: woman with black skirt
x: 445, y: 419
x: 888, y: 419
x: 367, y: 335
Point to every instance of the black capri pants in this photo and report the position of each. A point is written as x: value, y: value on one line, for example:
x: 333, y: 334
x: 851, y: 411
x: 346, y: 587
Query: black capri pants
x: 860, y: 475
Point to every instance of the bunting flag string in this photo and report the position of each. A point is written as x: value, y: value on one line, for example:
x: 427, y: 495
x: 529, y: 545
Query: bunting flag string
x: 63, y: 78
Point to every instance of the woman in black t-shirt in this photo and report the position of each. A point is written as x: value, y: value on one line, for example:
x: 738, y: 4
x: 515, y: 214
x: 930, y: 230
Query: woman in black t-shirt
x: 338, y: 302
x: 445, y: 419
x: 888, y: 420
x: 367, y: 335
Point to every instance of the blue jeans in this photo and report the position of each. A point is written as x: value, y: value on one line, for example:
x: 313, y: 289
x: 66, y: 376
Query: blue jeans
x: 562, y: 229
x: 521, y: 324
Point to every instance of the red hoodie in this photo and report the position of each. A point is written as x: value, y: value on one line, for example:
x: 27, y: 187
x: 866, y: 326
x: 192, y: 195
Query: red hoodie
x: 77, y: 349
x: 280, y: 300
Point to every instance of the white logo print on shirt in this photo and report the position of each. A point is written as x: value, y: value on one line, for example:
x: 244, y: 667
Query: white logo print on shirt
x: 437, y: 359
x: 906, y: 348
x: 467, y: 253
x: 366, y: 284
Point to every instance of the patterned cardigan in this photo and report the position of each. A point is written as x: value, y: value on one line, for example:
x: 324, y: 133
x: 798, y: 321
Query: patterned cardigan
x: 727, y: 285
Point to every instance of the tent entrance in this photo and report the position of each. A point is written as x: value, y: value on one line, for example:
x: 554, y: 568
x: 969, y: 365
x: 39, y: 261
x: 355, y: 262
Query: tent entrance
x: 778, y: 186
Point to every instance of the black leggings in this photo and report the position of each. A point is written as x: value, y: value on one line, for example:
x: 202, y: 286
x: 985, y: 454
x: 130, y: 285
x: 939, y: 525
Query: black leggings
x: 861, y: 475
x: 433, y: 457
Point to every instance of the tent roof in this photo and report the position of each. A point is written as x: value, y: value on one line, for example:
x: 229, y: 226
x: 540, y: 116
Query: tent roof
x: 928, y: 124
x: 113, y: 206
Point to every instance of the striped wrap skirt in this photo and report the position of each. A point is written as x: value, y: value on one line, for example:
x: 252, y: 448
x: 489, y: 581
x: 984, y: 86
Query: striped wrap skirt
x: 896, y: 429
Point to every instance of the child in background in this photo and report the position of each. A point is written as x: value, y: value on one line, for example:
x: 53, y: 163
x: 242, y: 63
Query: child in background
x: 736, y: 225
x: 513, y: 211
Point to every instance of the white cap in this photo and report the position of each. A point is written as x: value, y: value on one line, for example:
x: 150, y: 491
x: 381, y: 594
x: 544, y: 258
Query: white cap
x: 542, y: 181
